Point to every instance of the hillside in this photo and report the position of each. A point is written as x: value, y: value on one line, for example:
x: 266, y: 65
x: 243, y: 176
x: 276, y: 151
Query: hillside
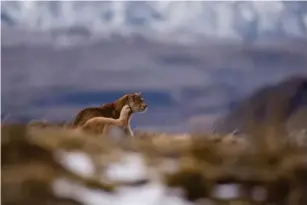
x: 284, y: 102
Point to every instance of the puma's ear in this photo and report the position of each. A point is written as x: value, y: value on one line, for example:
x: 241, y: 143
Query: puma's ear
x: 136, y: 94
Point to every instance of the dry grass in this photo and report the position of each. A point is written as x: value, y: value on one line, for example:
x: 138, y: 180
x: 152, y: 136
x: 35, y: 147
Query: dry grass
x: 277, y: 164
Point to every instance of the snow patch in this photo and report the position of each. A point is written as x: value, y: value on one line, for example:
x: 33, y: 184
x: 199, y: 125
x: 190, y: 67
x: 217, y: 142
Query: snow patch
x: 130, y: 168
x: 77, y: 162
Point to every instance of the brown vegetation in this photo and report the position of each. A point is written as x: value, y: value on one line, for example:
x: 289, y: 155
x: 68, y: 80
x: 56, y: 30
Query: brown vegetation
x: 277, y: 164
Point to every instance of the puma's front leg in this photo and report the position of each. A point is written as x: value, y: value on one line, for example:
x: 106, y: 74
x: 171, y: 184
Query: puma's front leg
x: 128, y: 131
x: 105, y: 130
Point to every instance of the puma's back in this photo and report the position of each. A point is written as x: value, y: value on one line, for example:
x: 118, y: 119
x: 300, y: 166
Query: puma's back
x: 106, y: 110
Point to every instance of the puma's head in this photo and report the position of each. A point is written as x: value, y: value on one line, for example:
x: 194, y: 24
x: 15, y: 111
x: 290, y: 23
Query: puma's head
x: 136, y: 102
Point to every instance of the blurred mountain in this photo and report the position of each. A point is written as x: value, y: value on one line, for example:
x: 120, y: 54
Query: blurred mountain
x: 284, y: 102
x: 72, y: 21
x: 178, y: 82
x: 191, y: 60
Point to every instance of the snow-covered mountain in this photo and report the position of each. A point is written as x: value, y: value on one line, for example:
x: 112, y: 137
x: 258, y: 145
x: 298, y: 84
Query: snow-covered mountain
x: 161, y: 20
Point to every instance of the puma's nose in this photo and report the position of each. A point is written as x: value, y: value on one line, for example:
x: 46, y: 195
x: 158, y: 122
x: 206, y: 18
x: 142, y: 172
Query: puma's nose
x: 145, y: 106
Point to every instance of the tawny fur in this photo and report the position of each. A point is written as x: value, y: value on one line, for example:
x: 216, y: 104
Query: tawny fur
x: 101, y: 125
x: 111, y: 110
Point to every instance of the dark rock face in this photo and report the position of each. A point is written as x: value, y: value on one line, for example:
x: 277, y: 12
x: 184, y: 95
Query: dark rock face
x: 284, y: 103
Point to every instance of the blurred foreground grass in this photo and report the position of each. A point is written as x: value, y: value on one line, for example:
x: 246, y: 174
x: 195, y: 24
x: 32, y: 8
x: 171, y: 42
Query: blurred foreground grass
x: 275, y: 163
